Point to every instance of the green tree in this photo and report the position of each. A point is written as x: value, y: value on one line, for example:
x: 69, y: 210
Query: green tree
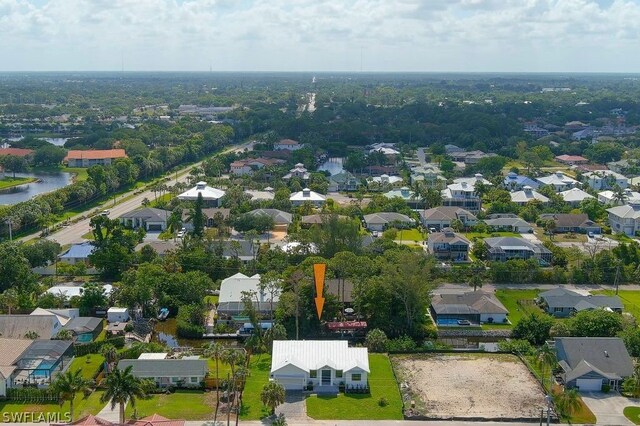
x: 48, y: 155
x: 92, y: 296
x: 14, y: 164
x: 546, y: 359
x: 272, y: 395
x: 121, y: 388
x: 68, y: 384
x: 215, y: 351
x: 631, y: 385
x: 15, y: 270
x: 534, y: 328
x: 567, y: 402
x: 197, y: 217
x: 376, y: 340
x: 596, y: 323
x: 9, y: 300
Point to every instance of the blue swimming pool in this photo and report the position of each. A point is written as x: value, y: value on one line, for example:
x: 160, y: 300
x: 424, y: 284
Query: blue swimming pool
x: 453, y: 321
x: 43, y: 370
x: 84, y: 338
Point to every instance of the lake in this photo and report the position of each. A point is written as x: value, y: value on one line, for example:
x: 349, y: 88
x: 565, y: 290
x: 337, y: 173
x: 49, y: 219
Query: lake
x: 332, y: 165
x: 48, y: 182
x: 53, y: 141
x: 165, y: 332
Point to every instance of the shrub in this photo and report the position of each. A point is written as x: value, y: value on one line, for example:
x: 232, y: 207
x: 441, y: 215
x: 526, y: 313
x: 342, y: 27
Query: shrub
x: 376, y: 340
x: 516, y: 346
x: 606, y: 388
x: 95, y: 347
x: 382, y: 402
x: 401, y: 344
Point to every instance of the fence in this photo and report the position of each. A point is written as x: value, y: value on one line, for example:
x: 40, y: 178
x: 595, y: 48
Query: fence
x: 31, y: 395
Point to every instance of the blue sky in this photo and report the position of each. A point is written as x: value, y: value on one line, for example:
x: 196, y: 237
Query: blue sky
x: 321, y: 35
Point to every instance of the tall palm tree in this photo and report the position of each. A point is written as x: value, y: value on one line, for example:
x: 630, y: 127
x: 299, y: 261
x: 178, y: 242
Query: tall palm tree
x: 631, y: 385
x: 110, y: 354
x: 236, y: 359
x: 619, y: 195
x: 68, y: 384
x: 9, y: 299
x: 272, y: 395
x: 122, y: 387
x: 546, y: 359
x: 568, y: 402
x: 216, y: 351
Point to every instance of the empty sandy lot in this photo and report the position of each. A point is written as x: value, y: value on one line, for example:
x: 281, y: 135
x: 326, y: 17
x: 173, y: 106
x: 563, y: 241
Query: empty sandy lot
x: 469, y: 385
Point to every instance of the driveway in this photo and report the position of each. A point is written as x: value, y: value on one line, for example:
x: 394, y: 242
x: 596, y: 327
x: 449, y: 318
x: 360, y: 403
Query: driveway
x: 608, y: 407
x: 531, y: 238
x: 294, y: 406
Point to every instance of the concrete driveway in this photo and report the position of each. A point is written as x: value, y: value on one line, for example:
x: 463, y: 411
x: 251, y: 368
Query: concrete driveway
x: 294, y: 407
x: 608, y: 407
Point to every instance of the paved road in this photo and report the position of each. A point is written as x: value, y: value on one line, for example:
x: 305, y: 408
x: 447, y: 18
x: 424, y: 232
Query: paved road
x: 73, y: 233
x: 608, y: 407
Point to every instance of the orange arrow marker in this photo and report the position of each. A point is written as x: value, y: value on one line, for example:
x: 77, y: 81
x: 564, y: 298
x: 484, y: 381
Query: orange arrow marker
x: 319, y: 270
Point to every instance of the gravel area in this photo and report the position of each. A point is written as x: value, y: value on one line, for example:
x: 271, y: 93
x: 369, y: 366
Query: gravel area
x: 496, y: 386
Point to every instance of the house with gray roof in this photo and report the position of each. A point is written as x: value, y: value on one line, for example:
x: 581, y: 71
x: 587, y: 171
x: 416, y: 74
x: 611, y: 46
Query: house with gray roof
x: 589, y: 363
x: 477, y: 307
x: 568, y: 222
x: 343, y: 181
x: 187, y: 371
x: 28, y: 326
x: 148, y: 218
x: 501, y: 249
x: 561, y: 302
x: 509, y: 224
x: 447, y: 245
x: 78, y: 253
x: 625, y: 219
x: 442, y: 217
x: 280, y: 218
x: 85, y: 329
x: 380, y: 221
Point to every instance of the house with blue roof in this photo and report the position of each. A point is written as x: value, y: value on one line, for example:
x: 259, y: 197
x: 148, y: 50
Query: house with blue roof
x: 78, y: 253
x: 516, y: 182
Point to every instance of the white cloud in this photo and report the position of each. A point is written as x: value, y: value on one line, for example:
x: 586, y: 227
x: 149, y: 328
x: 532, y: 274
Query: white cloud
x: 316, y: 35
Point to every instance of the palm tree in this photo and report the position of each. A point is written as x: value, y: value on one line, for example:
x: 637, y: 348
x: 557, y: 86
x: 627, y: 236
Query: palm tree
x: 110, y: 354
x: 619, y: 195
x: 546, y: 358
x: 236, y: 359
x: 9, y: 299
x: 122, y: 387
x: 272, y: 395
x: 631, y: 385
x: 568, y: 402
x: 215, y: 351
x: 68, y: 384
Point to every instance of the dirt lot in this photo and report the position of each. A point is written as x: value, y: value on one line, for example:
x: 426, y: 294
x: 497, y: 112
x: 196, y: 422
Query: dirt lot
x: 491, y: 386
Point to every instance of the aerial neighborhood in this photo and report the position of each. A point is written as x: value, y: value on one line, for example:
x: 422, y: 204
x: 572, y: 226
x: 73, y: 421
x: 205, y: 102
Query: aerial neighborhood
x: 299, y: 251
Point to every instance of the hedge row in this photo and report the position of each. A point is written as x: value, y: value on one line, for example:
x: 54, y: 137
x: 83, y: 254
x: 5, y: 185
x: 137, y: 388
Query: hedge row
x: 95, y: 347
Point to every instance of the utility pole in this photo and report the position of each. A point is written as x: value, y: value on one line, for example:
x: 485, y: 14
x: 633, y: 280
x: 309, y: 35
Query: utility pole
x: 617, y: 277
x: 8, y: 221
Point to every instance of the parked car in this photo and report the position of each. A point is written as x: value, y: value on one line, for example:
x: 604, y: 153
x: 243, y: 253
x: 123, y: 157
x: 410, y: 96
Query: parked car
x: 180, y: 234
x: 104, y: 213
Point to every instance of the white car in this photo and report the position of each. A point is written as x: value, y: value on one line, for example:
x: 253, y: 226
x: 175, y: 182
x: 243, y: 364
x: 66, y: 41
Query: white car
x: 180, y: 234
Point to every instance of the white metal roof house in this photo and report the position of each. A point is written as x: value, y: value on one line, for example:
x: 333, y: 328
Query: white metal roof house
x: 231, y: 289
x: 575, y: 196
x: 527, y: 194
x: 324, y: 363
x: 625, y: 219
x: 559, y: 181
x: 609, y: 197
x: 605, y: 179
x: 211, y: 196
x: 380, y: 221
x: 307, y: 195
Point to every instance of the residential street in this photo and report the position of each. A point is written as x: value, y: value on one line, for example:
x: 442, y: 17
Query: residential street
x: 73, y: 233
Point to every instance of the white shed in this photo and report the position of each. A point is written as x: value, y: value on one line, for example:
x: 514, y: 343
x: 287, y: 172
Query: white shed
x: 117, y: 315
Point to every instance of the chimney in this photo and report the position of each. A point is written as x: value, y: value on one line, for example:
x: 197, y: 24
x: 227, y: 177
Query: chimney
x: 306, y: 192
x: 559, y: 174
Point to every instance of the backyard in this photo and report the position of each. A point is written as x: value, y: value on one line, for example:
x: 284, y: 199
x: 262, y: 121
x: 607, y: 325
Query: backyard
x: 409, y: 235
x: 82, y: 407
x: 182, y: 404
x: 88, y: 364
x: 252, y: 408
x: 518, y: 302
x: 630, y: 300
x: 363, y: 407
x: 471, y: 235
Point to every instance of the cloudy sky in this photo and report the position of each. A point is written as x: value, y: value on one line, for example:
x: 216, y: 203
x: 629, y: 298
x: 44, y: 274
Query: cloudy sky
x: 321, y: 35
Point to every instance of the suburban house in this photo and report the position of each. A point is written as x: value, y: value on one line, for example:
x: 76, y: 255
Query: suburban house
x: 231, y: 289
x: 471, y: 181
x: 618, y: 199
x: 575, y: 196
x: 476, y: 307
x: 442, y: 217
x: 515, y: 182
x: 470, y: 157
x: 92, y: 157
x: 85, y: 329
x: 35, y: 363
x: 511, y: 223
x: 447, y: 245
x: 324, y: 363
x: 298, y: 171
x: 501, y: 249
x: 386, y: 181
x: 188, y: 371
x: 257, y: 195
x: 62, y: 315
x: 307, y: 196
x: 341, y: 288
x: 212, y: 216
x: 211, y: 196
x: 605, y: 179
x: 383, y: 220
x: 249, y: 165
x: 527, y: 194
x: 162, y: 248
x: 243, y: 250
x: 16, y: 152
x: 287, y: 145
x: 589, y: 363
x: 461, y: 195
x: 77, y: 253
x: 558, y: 181
x: 625, y: 219
x: 344, y: 181
x: 561, y: 302
x: 622, y: 166
x: 116, y: 314
x: 317, y: 219
x: 43, y: 326
x: 69, y: 291
x: 280, y: 218
x: 148, y: 218
x: 568, y: 222
x: 571, y: 160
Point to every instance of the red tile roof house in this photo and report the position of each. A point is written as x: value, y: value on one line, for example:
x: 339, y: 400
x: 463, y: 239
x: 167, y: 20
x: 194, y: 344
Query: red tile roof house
x: 571, y: 159
x: 88, y: 158
x: 288, y: 144
x: 18, y: 152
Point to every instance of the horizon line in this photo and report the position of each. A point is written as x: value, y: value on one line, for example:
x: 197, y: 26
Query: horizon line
x: 315, y: 72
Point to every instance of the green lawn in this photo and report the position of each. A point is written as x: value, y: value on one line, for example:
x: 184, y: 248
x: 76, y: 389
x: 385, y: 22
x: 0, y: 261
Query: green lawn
x: 510, y: 299
x: 9, y: 181
x: 223, y: 369
x: 363, y: 407
x: 183, y: 404
x: 409, y: 235
x: 88, y: 364
x: 82, y: 406
x: 630, y: 300
x: 633, y: 414
x: 213, y: 299
x: 252, y: 408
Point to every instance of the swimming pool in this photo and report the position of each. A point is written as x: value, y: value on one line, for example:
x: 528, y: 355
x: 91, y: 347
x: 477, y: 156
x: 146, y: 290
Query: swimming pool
x: 43, y: 370
x: 452, y: 321
x: 84, y: 338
